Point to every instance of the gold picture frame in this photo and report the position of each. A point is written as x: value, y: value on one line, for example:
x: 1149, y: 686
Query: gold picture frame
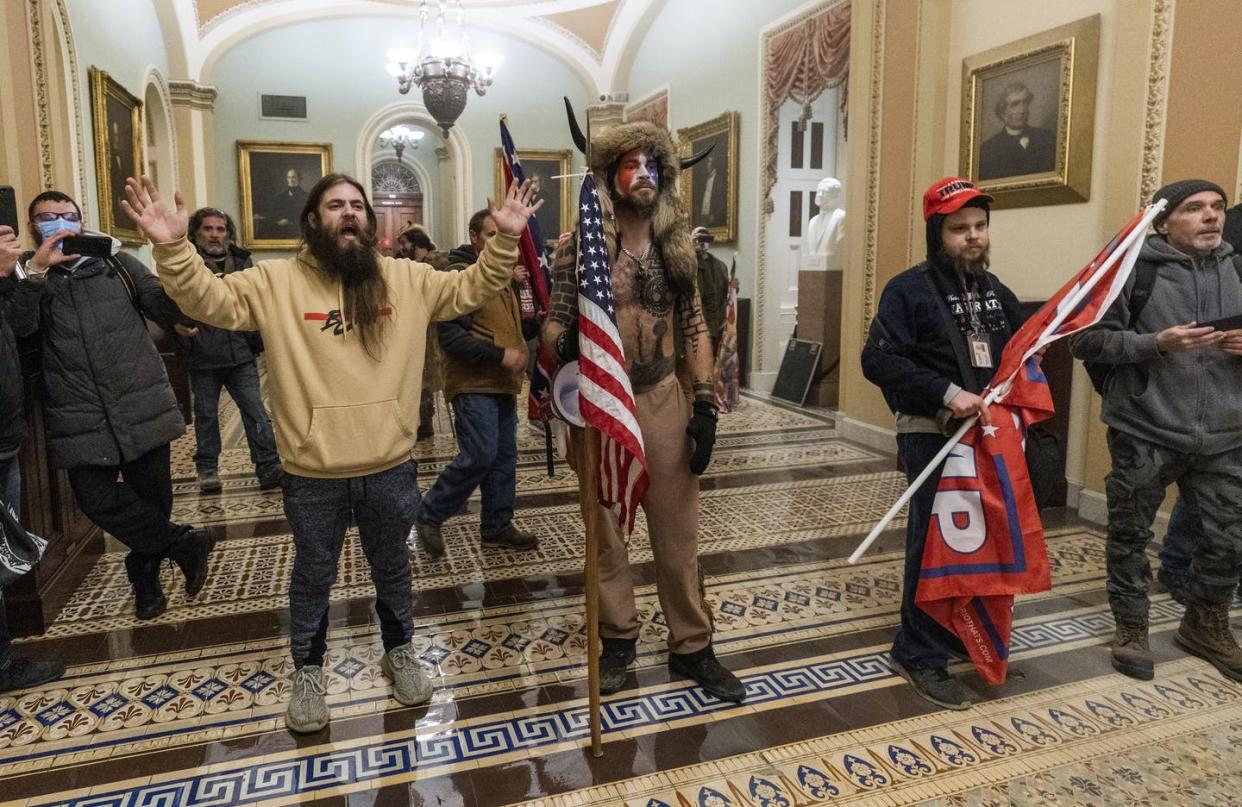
x: 271, y: 204
x: 707, y: 203
x: 556, y: 215
x: 1028, y: 116
x: 116, y: 117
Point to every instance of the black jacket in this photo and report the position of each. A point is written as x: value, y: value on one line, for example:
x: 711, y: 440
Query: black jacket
x: 12, y: 424
x: 1233, y: 228
x: 107, y: 396
x: 216, y: 348
x: 915, y: 348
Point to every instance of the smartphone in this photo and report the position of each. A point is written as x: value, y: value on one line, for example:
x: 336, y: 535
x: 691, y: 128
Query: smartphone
x: 90, y: 246
x: 8, y: 208
x: 1224, y: 323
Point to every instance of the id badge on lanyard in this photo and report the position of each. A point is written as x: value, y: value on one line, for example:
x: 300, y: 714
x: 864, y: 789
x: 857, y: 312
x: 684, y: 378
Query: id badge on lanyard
x: 980, y: 349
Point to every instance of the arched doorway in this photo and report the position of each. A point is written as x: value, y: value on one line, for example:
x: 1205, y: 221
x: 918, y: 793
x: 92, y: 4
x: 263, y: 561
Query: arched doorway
x: 397, y: 195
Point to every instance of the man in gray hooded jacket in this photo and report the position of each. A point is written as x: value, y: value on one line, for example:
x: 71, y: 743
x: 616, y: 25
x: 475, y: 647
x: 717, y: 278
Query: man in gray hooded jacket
x: 1170, y: 403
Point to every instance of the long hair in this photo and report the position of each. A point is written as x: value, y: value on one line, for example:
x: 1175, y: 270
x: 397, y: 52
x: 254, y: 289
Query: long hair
x: 358, y: 268
x: 315, y: 195
x: 196, y: 221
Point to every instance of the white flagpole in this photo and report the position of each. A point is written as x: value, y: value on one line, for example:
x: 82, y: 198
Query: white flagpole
x: 1129, y: 245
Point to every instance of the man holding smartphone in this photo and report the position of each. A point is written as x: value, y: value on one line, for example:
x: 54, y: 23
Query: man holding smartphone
x: 1170, y: 404
x: 110, y: 410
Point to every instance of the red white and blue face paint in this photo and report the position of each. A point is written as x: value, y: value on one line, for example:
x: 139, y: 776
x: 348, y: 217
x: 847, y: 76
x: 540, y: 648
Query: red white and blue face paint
x: 637, y: 170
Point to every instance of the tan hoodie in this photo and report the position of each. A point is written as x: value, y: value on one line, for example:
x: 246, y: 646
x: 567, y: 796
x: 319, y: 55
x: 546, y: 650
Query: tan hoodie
x: 338, y: 413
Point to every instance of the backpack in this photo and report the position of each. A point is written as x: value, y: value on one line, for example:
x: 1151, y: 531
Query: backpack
x: 1140, y: 293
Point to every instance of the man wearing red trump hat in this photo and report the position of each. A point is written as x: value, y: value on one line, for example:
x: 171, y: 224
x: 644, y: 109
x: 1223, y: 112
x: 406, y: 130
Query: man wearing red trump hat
x: 932, y: 348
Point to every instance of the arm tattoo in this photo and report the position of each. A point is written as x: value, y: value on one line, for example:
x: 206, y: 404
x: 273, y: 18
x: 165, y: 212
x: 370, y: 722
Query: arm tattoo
x: 563, y: 305
x: 698, y: 345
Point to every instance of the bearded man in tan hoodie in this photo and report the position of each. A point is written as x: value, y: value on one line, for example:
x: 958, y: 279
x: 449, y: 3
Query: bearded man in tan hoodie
x: 344, y: 330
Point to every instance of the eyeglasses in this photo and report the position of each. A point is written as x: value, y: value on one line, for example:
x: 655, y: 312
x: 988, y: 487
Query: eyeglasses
x: 48, y: 216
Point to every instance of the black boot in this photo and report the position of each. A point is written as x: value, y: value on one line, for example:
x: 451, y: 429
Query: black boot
x: 190, y: 552
x: 24, y: 673
x: 614, y: 659
x: 144, y: 575
x: 702, y: 666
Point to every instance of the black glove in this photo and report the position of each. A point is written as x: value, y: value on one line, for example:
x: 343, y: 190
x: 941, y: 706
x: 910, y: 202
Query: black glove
x: 567, y: 344
x: 702, y: 431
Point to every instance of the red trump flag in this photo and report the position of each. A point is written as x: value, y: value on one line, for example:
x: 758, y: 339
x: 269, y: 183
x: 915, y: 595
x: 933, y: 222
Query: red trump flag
x: 985, y: 541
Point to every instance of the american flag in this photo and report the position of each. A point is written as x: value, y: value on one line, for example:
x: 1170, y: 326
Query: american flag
x: 531, y: 254
x: 605, y: 397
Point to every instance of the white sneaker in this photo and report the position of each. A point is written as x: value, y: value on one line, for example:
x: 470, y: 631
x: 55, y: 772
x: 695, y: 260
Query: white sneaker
x: 308, y: 708
x: 410, y: 685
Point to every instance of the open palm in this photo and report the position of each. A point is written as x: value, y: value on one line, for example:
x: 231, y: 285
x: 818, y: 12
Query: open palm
x: 515, y: 210
x: 145, y: 206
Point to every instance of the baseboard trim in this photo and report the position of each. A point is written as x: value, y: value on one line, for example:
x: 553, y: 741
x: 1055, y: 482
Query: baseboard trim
x: 1093, y: 506
x: 868, y: 434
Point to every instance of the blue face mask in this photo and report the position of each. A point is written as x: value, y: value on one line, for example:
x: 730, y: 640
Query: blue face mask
x: 49, y: 228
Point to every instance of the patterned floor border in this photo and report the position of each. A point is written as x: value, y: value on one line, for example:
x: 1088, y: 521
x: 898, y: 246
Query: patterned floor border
x: 383, y: 760
x: 229, y: 689
x: 939, y: 755
x: 250, y: 574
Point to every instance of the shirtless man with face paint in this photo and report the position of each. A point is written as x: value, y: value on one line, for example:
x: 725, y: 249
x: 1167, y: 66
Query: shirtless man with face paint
x: 657, y: 302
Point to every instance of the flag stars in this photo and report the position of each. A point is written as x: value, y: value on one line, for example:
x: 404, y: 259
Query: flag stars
x: 990, y: 431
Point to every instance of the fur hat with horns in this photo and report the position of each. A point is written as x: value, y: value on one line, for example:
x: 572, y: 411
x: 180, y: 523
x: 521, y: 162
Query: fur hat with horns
x: 670, y: 223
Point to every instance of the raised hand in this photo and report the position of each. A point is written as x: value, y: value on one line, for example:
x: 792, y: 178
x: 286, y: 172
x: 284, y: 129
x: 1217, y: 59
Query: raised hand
x: 159, y: 224
x: 511, y: 217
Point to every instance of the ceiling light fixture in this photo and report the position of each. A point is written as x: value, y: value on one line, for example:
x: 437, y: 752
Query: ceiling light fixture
x: 441, y: 65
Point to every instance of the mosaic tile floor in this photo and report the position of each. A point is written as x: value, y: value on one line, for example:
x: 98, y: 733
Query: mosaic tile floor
x: 188, y: 709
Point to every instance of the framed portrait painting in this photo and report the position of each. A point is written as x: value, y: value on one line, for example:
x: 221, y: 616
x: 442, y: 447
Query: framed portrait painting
x: 540, y: 165
x: 1028, y: 112
x: 117, y: 119
x: 709, y: 188
x: 274, y: 178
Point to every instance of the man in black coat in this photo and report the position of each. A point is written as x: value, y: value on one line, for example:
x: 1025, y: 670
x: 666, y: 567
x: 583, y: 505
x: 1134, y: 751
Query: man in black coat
x: 1018, y: 148
x: 110, y: 408
x: 15, y: 672
x: 225, y: 359
x: 932, y: 349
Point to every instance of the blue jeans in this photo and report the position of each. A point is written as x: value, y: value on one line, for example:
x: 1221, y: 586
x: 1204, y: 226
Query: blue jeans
x: 921, y: 642
x: 319, y: 511
x: 242, y: 382
x: 486, y: 459
x: 11, y: 493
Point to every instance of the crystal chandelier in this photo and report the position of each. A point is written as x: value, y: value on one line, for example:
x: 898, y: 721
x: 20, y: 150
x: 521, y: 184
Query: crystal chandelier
x: 399, y: 137
x: 441, y: 67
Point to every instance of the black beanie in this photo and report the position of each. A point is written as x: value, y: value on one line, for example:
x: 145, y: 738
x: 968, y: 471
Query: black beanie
x: 1180, y: 191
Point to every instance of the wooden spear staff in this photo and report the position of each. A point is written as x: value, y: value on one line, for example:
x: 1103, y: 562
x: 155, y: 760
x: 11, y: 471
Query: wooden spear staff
x: 588, y: 491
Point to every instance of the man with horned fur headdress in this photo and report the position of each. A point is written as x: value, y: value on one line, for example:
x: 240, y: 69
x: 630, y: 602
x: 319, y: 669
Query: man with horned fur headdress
x: 657, y: 302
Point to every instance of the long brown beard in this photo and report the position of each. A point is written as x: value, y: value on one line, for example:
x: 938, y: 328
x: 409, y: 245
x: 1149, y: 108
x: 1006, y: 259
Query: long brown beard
x: 362, y: 282
x: 629, y: 203
x: 959, y: 265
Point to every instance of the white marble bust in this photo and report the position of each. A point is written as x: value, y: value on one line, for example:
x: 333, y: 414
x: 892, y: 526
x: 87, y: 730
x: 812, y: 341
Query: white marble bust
x: 826, y: 230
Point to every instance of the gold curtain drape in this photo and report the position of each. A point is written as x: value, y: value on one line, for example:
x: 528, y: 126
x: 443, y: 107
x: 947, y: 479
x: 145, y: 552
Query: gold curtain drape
x: 811, y: 56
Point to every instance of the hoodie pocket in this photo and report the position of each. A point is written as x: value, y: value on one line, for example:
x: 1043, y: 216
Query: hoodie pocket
x: 358, y: 437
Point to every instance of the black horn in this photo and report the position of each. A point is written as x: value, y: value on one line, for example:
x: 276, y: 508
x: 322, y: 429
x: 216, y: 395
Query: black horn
x: 579, y: 138
x: 694, y: 158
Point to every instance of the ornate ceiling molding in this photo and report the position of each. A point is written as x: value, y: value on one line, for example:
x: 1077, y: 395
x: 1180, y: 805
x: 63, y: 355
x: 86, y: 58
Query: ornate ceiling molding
x: 201, y: 97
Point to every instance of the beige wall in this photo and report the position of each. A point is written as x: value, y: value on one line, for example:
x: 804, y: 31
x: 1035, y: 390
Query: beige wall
x: 1205, y: 93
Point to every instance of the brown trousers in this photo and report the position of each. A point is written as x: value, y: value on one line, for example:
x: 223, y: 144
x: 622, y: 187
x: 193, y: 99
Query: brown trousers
x: 672, y: 509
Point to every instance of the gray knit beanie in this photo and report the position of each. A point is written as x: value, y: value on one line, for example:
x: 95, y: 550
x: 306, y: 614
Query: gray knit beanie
x: 1180, y: 191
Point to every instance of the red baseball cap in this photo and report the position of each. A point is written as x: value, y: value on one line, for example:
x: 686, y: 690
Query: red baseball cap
x: 949, y: 195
